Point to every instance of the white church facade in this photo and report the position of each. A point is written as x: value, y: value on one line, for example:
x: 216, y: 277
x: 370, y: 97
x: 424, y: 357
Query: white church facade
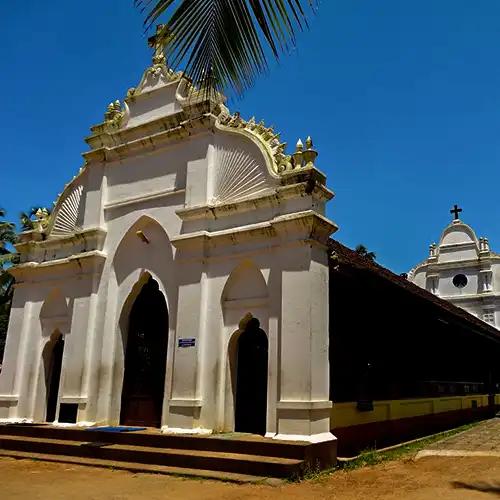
x: 463, y: 270
x: 182, y: 273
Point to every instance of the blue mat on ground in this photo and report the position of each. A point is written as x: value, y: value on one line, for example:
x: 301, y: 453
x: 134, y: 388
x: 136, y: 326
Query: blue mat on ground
x: 118, y: 428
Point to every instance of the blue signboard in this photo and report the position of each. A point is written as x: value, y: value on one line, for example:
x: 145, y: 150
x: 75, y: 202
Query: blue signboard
x: 187, y: 342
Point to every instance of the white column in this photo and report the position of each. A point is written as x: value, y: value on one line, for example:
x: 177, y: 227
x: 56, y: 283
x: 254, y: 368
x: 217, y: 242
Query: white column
x: 13, y: 360
x: 304, y: 407
x: 186, y: 398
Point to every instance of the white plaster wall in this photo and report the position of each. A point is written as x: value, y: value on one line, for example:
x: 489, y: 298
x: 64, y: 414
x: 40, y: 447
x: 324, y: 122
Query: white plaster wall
x: 152, y: 105
x: 495, y: 268
x: 156, y: 172
x: 447, y: 288
x: 420, y: 278
x: 452, y: 254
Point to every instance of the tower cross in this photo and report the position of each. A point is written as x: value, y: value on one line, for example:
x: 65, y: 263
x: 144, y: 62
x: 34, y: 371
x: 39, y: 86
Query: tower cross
x: 456, y: 211
x: 157, y: 42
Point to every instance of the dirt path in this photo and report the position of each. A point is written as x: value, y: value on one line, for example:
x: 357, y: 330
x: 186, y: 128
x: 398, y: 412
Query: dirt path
x: 435, y: 478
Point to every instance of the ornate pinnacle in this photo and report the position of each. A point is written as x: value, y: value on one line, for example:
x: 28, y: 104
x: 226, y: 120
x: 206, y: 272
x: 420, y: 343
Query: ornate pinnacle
x: 42, y: 219
x: 310, y: 154
x: 298, y: 155
x: 114, y: 114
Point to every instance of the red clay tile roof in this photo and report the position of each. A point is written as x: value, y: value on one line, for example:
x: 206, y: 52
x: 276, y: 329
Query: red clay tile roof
x: 347, y: 256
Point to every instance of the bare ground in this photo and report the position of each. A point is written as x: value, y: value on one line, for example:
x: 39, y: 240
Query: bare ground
x: 436, y: 478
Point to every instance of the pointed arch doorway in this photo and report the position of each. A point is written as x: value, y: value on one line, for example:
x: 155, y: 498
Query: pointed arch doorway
x: 251, y: 380
x: 53, y: 364
x: 145, y: 358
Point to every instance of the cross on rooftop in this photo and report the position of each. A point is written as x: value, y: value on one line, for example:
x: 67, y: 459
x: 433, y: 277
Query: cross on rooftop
x: 456, y: 211
x: 158, y: 42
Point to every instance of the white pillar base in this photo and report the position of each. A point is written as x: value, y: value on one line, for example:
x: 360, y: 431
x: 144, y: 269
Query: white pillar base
x: 178, y: 431
x: 77, y: 424
x: 314, y: 438
x: 16, y: 420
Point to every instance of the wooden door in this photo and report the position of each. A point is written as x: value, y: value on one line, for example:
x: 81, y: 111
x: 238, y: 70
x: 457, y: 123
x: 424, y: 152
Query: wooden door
x: 145, y: 359
x: 54, y: 378
x: 251, y: 384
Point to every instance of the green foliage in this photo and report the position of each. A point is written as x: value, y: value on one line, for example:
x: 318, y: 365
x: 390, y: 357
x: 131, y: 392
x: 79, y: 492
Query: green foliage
x: 7, y: 234
x: 222, y: 43
x: 372, y: 456
x: 363, y: 252
x: 7, y: 257
x: 28, y: 219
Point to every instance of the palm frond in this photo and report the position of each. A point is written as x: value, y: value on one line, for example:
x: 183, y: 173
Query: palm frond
x: 224, y: 43
x: 27, y: 219
x: 363, y: 252
x: 8, y: 259
x: 26, y: 222
x: 7, y: 234
x: 6, y: 284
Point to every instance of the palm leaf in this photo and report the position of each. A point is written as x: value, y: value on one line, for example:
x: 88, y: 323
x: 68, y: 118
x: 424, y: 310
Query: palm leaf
x: 224, y: 43
x: 27, y: 219
x: 6, y: 283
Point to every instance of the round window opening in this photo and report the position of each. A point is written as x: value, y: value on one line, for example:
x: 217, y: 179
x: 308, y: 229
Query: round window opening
x: 460, y: 280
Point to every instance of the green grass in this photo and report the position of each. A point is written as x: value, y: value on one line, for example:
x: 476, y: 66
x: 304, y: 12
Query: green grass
x: 370, y: 457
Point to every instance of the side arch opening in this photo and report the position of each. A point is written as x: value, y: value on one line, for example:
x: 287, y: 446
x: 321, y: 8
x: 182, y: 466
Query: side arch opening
x: 248, y: 354
x: 52, y: 363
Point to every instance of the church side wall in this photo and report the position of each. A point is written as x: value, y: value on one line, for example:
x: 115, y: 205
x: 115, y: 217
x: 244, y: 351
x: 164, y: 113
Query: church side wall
x: 17, y: 334
x: 393, y: 421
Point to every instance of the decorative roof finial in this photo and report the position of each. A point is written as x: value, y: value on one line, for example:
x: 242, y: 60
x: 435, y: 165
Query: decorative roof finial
x: 42, y: 219
x: 298, y: 155
x: 114, y: 114
x: 310, y: 154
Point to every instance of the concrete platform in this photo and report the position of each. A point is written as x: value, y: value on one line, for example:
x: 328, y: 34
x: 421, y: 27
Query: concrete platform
x: 241, y: 458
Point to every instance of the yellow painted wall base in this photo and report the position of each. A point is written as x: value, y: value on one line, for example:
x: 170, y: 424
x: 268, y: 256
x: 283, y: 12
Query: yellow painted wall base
x: 347, y: 414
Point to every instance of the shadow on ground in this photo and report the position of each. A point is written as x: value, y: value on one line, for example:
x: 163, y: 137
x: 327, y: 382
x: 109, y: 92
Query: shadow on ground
x: 483, y: 487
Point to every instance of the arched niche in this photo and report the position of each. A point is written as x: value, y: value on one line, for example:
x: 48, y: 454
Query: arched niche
x: 50, y: 383
x: 144, y: 245
x: 55, y: 313
x: 244, y: 300
x: 143, y: 254
x: 248, y: 356
x: 245, y: 283
x: 55, y: 322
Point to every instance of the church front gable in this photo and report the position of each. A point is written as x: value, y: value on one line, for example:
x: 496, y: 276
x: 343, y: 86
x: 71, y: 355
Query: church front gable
x: 186, y: 205
x: 462, y: 269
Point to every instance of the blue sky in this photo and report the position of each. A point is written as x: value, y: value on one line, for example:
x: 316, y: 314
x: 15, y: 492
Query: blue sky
x: 402, y: 99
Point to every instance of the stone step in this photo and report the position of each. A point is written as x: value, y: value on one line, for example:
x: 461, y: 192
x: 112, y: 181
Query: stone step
x: 248, y: 464
x: 227, y: 443
x: 136, y: 467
